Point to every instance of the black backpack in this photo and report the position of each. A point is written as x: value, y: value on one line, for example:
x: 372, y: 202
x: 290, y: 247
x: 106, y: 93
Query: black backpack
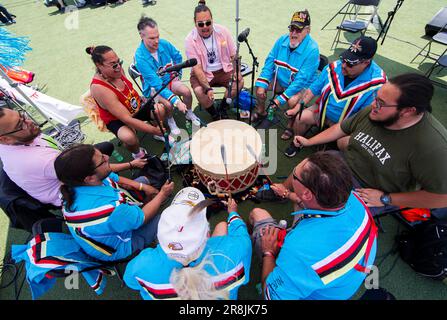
x: 425, y: 248
x: 155, y: 170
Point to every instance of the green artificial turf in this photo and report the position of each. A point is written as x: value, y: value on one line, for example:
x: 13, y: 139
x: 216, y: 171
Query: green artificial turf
x: 65, y: 70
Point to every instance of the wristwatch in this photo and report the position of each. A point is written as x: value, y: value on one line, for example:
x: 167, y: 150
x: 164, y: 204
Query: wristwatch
x: 385, y: 199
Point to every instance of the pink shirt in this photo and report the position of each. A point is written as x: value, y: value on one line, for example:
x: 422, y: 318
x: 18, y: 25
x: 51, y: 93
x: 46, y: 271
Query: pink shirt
x: 195, y: 48
x: 32, y: 169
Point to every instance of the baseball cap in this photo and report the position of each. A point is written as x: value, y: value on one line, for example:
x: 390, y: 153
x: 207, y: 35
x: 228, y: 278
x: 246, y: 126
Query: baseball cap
x: 181, y: 236
x: 362, y: 48
x: 300, y: 19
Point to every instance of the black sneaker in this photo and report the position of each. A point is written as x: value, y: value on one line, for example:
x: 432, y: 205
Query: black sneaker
x: 291, y: 150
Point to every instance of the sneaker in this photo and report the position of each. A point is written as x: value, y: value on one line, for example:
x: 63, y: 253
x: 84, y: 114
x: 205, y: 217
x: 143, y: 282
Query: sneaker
x: 193, y: 118
x: 291, y: 150
x: 173, y: 126
x: 140, y: 154
x: 160, y: 138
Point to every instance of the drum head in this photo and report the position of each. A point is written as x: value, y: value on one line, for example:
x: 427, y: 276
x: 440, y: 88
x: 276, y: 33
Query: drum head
x: 235, y: 136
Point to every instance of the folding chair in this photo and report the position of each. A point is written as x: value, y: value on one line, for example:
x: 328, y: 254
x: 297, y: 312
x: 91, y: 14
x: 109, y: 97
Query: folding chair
x: 135, y: 75
x: 440, y: 60
x: 388, y: 21
x: 352, y: 21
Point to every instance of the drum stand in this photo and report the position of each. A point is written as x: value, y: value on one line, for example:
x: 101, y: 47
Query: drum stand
x: 255, y: 65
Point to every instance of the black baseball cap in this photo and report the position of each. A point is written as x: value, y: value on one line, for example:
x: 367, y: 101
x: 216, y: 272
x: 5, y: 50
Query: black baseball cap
x: 362, y: 48
x: 300, y: 19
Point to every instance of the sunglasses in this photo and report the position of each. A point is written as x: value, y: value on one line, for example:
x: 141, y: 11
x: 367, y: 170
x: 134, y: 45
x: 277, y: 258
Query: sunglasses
x: 295, y: 177
x: 21, y: 125
x: 117, y: 65
x: 207, y: 23
x: 295, y: 29
x: 350, y: 64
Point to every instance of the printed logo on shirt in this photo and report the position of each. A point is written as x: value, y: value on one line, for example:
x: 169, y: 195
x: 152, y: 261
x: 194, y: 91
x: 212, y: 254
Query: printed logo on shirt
x: 372, y: 146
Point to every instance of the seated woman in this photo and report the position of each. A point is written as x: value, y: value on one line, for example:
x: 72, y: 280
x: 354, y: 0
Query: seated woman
x: 120, y: 106
x: 188, y: 264
x: 107, y: 224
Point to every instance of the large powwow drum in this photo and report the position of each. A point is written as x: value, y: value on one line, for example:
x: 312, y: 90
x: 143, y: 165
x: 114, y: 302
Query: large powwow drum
x: 242, y: 166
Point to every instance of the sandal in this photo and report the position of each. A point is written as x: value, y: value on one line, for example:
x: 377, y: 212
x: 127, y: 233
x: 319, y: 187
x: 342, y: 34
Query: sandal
x: 257, y: 117
x: 287, y: 134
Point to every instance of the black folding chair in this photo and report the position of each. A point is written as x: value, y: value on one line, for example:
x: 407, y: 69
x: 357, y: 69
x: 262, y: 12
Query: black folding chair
x: 388, y: 21
x: 352, y: 20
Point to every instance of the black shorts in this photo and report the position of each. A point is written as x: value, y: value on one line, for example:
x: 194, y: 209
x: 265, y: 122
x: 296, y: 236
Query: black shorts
x: 114, y: 125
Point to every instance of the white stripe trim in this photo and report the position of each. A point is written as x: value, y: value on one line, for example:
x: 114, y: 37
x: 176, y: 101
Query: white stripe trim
x: 227, y: 274
x: 85, y: 212
x: 156, y: 286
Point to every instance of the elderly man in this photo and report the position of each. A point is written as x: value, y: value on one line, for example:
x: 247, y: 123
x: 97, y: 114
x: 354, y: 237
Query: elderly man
x: 213, y: 47
x: 345, y: 87
x: 397, y: 150
x: 153, y: 55
x: 290, y: 66
x: 328, y: 251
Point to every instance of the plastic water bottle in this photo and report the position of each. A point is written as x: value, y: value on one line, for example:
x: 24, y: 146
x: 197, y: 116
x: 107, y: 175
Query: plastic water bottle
x: 271, y: 113
x: 189, y: 127
x: 117, y: 155
x: 282, y: 224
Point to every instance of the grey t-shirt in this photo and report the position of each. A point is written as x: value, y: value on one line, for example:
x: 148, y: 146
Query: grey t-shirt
x: 397, y: 160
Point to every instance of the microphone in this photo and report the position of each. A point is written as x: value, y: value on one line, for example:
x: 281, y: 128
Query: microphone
x: 177, y: 67
x: 42, y: 124
x: 243, y: 35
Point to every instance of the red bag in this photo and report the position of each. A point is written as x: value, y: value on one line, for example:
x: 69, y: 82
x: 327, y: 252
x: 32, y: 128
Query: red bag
x: 416, y: 214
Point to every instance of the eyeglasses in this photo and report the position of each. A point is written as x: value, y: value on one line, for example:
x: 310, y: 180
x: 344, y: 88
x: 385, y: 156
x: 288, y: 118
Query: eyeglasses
x: 104, y: 160
x: 21, y: 125
x: 295, y: 29
x: 380, y: 104
x: 207, y: 23
x: 116, y: 65
x: 350, y: 64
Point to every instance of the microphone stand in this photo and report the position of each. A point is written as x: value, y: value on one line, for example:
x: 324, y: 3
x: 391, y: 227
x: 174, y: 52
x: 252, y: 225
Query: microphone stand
x: 150, y: 103
x: 237, y: 19
x: 255, y: 65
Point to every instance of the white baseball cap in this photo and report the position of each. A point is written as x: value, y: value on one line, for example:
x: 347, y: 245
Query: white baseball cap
x: 181, y: 236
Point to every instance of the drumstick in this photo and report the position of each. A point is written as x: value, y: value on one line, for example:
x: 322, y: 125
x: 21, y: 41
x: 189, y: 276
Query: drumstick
x: 224, y: 159
x: 252, y: 152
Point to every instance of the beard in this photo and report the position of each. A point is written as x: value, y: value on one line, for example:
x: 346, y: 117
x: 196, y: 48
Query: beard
x: 293, y: 46
x: 387, y: 122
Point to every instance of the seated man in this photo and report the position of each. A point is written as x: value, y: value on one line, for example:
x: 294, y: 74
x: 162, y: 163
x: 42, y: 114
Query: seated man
x: 345, y: 87
x: 397, y: 150
x: 291, y: 66
x: 329, y: 250
x: 120, y: 106
x: 106, y: 223
x: 28, y: 157
x: 188, y: 263
x: 155, y: 54
x: 213, y: 47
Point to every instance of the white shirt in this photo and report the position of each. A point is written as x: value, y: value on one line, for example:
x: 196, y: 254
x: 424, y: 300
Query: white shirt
x: 213, y: 61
